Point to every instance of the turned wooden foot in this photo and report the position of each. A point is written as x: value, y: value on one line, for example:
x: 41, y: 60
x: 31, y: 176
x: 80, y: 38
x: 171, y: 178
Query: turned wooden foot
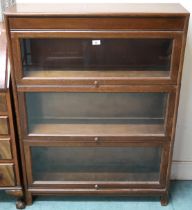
x: 20, y: 204
x: 164, y: 199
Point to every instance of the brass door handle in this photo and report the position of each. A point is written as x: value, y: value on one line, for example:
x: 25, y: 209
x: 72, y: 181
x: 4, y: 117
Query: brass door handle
x: 96, y: 139
x: 96, y: 83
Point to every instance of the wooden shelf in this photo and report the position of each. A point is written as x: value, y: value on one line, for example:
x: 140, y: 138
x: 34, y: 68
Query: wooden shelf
x: 95, y: 176
x: 43, y: 129
x: 103, y: 73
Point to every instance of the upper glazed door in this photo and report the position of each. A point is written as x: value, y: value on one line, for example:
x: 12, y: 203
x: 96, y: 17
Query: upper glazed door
x: 96, y: 58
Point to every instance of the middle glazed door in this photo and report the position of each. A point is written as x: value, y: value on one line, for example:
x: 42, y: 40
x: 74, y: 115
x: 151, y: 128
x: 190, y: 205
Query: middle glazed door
x: 92, y: 114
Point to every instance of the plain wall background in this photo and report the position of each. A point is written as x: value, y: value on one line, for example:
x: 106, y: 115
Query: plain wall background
x: 4, y: 4
x: 182, y: 158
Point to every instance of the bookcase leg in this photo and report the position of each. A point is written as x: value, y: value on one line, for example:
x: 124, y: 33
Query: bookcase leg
x: 28, y: 198
x: 164, y: 199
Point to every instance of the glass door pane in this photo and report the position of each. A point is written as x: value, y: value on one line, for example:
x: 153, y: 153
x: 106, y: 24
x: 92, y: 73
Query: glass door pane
x: 96, y: 163
x: 96, y: 114
x: 85, y: 57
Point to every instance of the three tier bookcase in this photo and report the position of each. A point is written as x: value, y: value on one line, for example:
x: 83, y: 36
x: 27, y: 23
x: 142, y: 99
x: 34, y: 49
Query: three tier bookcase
x: 96, y: 90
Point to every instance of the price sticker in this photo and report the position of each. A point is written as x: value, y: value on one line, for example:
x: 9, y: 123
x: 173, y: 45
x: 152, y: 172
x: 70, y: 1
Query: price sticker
x: 96, y: 42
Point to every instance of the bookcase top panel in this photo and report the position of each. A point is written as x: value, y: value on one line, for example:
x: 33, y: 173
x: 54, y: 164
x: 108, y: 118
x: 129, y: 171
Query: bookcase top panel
x: 97, y: 10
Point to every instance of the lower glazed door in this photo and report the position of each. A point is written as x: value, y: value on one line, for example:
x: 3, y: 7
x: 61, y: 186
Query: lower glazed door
x: 89, y: 166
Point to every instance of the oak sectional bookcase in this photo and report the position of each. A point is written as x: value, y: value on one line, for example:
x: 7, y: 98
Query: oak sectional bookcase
x: 96, y: 90
x: 10, y: 179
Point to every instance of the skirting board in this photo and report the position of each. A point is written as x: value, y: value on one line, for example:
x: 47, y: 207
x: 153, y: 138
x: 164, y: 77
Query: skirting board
x: 181, y: 170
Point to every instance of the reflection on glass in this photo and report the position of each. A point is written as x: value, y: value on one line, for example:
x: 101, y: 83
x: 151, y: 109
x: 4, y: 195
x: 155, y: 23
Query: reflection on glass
x: 96, y: 57
x: 120, y: 114
x: 96, y: 164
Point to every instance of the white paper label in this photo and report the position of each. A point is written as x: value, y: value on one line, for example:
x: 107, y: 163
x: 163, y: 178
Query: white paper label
x: 96, y: 42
